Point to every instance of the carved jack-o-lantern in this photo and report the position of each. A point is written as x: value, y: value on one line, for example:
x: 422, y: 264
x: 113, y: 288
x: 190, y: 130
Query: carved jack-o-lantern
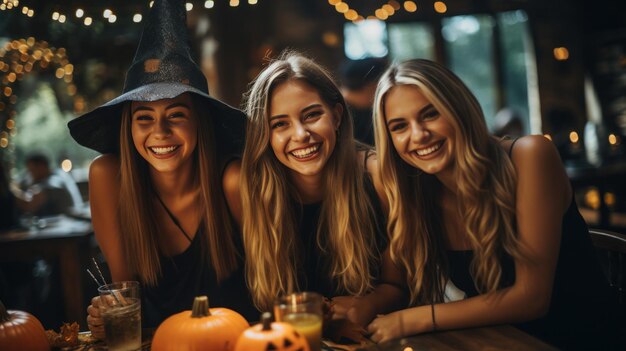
x: 268, y: 336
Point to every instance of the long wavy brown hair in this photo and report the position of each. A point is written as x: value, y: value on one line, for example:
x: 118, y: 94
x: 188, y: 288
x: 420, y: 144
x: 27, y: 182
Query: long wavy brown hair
x: 136, y: 212
x: 485, y: 177
x: 346, y: 227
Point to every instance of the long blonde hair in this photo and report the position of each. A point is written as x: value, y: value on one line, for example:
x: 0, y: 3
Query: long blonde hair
x: 345, y: 230
x: 484, y: 174
x: 138, y: 219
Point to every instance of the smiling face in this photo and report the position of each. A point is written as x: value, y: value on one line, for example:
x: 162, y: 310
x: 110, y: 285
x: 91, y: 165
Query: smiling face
x: 420, y: 134
x: 165, y: 132
x: 303, y: 128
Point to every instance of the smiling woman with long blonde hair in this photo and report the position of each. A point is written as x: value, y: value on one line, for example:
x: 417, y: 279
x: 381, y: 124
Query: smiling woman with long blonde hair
x: 310, y: 216
x: 489, y: 226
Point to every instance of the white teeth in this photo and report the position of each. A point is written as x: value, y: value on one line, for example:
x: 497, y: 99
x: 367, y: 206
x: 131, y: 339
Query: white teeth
x: 430, y: 150
x: 163, y: 150
x: 303, y: 153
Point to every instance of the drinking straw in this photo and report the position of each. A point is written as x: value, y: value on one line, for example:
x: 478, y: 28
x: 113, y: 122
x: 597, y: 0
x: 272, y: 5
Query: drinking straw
x: 104, y: 282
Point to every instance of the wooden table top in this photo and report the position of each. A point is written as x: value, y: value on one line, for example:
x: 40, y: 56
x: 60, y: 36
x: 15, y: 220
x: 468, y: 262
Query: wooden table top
x: 502, y: 337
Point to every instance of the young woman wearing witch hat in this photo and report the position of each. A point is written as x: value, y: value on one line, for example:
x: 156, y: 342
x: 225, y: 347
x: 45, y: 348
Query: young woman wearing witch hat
x: 156, y: 197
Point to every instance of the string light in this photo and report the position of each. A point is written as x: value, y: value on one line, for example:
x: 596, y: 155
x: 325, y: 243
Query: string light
x: 382, y: 13
x: 80, y: 13
x: 17, y: 58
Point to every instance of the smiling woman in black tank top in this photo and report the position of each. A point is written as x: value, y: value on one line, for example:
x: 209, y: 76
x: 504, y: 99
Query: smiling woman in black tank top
x: 488, y: 232
x: 156, y: 196
x: 309, y: 214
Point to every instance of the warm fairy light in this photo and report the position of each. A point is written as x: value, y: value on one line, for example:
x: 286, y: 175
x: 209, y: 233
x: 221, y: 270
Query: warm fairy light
x: 30, y: 13
x: 107, y: 13
x: 151, y: 4
x: 8, y: 91
x: 592, y: 198
x: 189, y: 6
x: 11, y: 77
x: 4, y: 142
x: 342, y: 7
x: 610, y: 199
x: 408, y: 348
x: 334, y: 2
x: 561, y: 53
x: 62, y: 18
x: 234, y: 3
x: 548, y: 136
x: 351, y: 15
x: 88, y: 21
x: 71, y: 89
x: 66, y: 165
x: 612, y: 139
x: 55, y: 15
x: 440, y: 7
x: 396, y: 5
x: 25, y: 9
x: 330, y: 39
x: 137, y: 18
x: 410, y: 6
x: 80, y: 13
x: 389, y: 9
x: 573, y: 137
x: 381, y: 14
x: 112, y: 18
x: 60, y: 73
x: 253, y: 2
x: 10, y: 124
x: 209, y: 4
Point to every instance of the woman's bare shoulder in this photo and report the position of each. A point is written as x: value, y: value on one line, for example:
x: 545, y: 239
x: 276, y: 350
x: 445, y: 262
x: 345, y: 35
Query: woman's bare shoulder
x: 104, y: 166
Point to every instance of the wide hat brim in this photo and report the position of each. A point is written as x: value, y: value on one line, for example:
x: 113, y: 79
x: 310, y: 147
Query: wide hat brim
x: 100, y: 129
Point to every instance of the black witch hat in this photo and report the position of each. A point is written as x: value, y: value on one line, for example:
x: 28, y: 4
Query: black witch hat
x: 162, y: 69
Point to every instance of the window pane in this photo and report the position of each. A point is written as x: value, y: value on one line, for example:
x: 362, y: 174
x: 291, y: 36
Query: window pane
x: 514, y: 36
x: 365, y: 39
x: 468, y: 45
x: 411, y: 40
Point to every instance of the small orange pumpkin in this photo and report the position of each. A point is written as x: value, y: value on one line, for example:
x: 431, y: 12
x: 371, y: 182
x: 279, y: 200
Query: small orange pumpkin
x: 201, y: 328
x: 21, y: 331
x: 271, y: 336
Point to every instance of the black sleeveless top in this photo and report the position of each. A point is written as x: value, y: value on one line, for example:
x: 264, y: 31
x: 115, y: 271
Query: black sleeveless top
x: 187, y: 275
x: 314, y: 263
x: 582, y: 312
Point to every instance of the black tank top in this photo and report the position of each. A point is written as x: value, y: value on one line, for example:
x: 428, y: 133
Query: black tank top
x: 582, y: 312
x: 187, y: 275
x: 314, y: 263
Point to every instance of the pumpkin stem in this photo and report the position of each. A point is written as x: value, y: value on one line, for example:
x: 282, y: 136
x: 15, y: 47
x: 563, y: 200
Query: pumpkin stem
x: 200, y: 307
x: 266, y: 320
x: 4, y: 315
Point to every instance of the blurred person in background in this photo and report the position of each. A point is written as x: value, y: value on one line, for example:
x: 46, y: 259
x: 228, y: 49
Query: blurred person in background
x: 358, y: 79
x: 8, y: 208
x: 48, y: 192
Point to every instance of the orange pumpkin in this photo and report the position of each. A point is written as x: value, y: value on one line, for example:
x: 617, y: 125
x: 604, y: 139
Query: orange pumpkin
x: 271, y: 336
x: 215, y: 329
x: 21, y: 331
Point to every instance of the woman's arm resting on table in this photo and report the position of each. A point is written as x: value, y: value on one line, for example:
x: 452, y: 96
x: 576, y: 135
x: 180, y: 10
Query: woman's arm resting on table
x: 389, y: 295
x: 543, y: 194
